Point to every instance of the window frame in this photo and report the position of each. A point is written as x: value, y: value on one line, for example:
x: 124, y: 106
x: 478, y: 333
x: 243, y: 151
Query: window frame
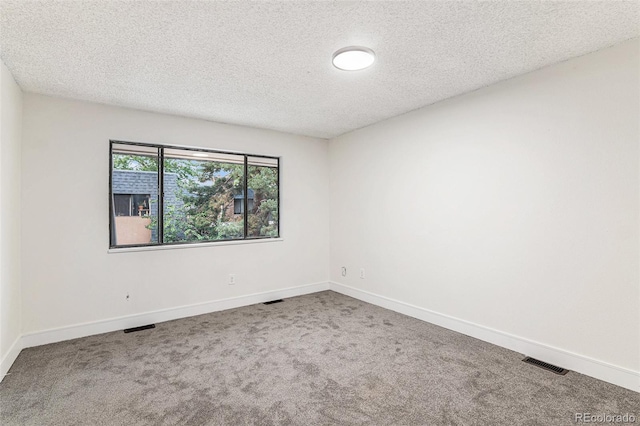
x: 160, y: 156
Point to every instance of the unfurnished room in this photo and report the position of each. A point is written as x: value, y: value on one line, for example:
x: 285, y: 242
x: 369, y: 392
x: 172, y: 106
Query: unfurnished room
x: 319, y: 212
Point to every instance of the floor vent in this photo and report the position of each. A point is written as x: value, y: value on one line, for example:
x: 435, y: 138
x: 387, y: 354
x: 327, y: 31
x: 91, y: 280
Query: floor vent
x: 272, y: 302
x: 546, y: 366
x: 143, y: 327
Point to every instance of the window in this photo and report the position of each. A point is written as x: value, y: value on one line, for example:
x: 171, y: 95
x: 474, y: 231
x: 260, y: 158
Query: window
x: 131, y: 204
x: 238, y: 202
x: 204, y: 194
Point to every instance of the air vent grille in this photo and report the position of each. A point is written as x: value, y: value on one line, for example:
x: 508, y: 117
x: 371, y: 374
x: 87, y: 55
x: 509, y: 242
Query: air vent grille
x: 144, y: 327
x: 546, y: 366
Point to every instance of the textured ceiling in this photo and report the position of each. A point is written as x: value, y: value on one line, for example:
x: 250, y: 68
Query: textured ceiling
x: 268, y: 64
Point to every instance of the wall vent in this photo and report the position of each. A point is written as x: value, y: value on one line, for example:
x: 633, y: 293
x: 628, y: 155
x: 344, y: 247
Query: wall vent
x: 142, y: 327
x: 272, y: 302
x: 549, y: 367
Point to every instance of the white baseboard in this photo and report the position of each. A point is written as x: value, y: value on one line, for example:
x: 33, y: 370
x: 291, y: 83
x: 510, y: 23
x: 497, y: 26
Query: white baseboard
x: 114, y: 324
x: 571, y: 361
x: 10, y: 357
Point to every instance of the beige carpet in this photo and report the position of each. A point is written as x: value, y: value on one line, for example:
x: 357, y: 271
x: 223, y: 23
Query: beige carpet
x: 320, y: 359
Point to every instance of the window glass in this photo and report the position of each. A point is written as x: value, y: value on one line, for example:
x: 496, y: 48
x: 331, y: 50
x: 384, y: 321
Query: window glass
x: 134, y: 195
x: 199, y: 196
x: 263, y: 197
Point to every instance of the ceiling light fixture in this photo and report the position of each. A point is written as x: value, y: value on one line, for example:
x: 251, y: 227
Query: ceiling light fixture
x: 353, y: 58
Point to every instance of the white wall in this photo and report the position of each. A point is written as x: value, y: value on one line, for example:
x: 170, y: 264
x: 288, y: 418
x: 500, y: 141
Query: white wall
x: 514, y: 207
x: 68, y: 276
x: 10, y: 135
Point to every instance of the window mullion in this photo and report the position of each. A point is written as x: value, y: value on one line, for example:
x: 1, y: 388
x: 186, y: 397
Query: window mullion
x: 160, y: 195
x: 112, y: 215
x: 246, y: 196
x: 278, y: 186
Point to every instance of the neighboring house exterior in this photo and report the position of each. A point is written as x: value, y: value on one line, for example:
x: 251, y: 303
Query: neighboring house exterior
x: 238, y: 204
x: 135, y: 201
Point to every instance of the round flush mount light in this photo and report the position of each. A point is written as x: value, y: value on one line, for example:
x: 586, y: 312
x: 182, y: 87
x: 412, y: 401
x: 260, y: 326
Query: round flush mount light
x: 353, y: 58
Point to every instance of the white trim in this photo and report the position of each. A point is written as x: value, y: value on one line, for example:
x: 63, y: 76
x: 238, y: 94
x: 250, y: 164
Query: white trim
x: 620, y: 376
x: 194, y: 245
x: 114, y: 324
x: 10, y: 357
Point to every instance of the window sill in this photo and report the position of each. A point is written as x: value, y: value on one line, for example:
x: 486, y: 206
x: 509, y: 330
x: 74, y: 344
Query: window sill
x: 194, y: 245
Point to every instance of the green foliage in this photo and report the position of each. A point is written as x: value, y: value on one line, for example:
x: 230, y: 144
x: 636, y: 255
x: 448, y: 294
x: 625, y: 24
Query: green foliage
x: 173, y: 224
x: 135, y: 162
x: 186, y: 170
x: 208, y: 200
x: 264, y: 219
x: 228, y: 230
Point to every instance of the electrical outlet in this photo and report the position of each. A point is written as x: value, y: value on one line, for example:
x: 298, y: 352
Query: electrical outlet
x: 232, y: 279
x: 344, y: 271
x: 362, y: 273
